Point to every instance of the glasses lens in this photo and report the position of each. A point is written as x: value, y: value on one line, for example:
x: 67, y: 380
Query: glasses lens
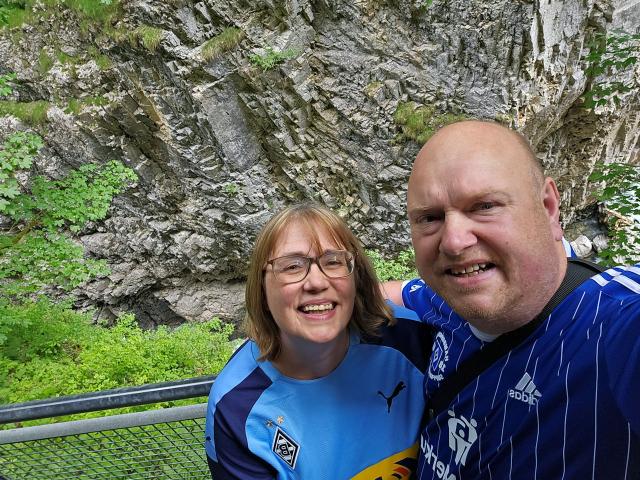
x: 336, y: 263
x: 292, y: 268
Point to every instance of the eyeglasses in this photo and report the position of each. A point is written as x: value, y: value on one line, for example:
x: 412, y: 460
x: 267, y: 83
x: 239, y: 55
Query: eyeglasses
x: 295, y: 268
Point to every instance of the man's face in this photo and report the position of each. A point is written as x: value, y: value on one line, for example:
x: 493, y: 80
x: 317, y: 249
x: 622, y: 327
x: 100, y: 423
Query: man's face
x: 485, y: 232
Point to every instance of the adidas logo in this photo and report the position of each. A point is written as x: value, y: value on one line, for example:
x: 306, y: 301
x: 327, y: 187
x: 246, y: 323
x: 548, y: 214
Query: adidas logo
x: 525, y: 391
x: 414, y: 288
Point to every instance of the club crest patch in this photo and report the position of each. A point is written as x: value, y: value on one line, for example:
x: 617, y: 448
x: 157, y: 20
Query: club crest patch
x: 285, y: 447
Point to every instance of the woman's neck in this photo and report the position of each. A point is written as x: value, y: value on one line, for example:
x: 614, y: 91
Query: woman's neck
x: 310, y: 361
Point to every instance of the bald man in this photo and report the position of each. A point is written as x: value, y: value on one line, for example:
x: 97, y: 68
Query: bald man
x: 564, y: 402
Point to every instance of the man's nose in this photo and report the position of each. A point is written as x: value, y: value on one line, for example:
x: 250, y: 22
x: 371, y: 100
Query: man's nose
x: 457, y: 235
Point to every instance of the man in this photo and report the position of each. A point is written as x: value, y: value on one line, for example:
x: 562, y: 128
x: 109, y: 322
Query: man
x: 563, y: 403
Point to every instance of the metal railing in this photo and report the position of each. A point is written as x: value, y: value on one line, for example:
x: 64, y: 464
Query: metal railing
x: 156, y: 444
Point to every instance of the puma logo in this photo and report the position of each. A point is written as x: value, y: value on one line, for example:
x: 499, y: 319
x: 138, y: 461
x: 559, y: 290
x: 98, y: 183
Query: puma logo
x: 399, y: 387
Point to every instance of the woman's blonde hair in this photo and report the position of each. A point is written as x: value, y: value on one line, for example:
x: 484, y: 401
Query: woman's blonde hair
x: 370, y: 310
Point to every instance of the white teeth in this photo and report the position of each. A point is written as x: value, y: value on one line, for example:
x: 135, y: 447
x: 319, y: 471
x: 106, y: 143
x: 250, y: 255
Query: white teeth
x: 470, y: 270
x: 317, y: 308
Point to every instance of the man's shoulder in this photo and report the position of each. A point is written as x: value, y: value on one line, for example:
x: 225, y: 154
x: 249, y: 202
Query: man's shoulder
x: 620, y: 285
x: 610, y: 298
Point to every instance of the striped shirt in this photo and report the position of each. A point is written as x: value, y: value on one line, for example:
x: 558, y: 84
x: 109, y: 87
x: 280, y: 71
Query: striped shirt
x: 564, y: 404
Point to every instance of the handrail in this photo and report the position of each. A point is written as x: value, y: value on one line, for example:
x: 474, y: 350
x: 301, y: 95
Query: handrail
x: 125, y: 420
x: 107, y: 399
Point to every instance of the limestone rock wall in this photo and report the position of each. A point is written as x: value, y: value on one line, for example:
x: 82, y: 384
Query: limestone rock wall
x: 220, y: 144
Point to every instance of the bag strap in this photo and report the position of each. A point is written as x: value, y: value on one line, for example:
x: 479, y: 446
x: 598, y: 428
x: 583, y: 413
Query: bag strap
x: 578, y: 271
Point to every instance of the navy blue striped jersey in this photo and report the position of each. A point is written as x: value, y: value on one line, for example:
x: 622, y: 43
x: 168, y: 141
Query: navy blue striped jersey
x: 361, y: 421
x: 564, y: 404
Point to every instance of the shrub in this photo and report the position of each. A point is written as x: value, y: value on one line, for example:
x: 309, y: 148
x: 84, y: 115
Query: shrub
x: 35, y: 249
x: 609, y: 64
x: 6, y: 84
x: 12, y: 13
x: 33, y: 113
x: 419, y: 123
x: 45, y: 62
x: 271, y: 58
x: 401, y: 267
x: 620, y: 197
x: 149, y: 36
x: 53, y: 351
x: 225, y: 41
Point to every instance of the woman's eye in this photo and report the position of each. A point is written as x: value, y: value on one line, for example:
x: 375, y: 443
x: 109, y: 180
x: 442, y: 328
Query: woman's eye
x: 292, y: 267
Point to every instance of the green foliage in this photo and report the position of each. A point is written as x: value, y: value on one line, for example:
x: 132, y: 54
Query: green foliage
x: 90, y: 9
x: 16, y: 154
x: 103, y: 62
x: 52, y: 350
x: 400, y: 268
x: 34, y: 251
x: 149, y: 36
x: 75, y: 105
x: 231, y: 189
x: 225, y: 41
x: 45, y: 62
x: 609, y: 57
x: 42, y: 260
x: 33, y: 113
x: 15, y: 13
x: 621, y: 198
x: 271, y: 58
x: 12, y: 13
x: 372, y: 88
x: 6, y: 84
x: 83, y: 195
x: 419, y: 123
x: 65, y: 58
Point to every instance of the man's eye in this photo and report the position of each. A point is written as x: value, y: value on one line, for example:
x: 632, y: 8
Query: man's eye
x: 426, y: 219
x: 485, y: 206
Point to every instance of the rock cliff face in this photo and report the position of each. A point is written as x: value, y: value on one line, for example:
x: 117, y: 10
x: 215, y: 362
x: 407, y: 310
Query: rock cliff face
x: 219, y: 144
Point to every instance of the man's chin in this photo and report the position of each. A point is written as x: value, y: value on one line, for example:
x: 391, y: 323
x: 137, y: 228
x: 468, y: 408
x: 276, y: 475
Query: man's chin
x: 473, y: 309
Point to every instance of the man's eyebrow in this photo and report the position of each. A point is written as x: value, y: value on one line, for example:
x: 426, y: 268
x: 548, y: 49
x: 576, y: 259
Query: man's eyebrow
x: 490, y: 193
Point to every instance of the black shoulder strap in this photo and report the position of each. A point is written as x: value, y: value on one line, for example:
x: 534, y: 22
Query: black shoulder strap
x: 578, y: 270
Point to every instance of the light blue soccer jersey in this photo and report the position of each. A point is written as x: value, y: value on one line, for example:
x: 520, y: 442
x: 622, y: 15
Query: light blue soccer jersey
x: 564, y: 404
x: 360, y: 421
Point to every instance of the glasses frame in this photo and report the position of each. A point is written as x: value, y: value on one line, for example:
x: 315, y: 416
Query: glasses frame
x: 351, y: 259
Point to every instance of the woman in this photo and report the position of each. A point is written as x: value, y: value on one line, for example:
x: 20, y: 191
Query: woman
x: 326, y: 387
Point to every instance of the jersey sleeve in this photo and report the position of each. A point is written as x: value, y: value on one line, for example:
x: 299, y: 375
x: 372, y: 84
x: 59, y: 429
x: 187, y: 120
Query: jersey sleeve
x: 234, y: 461
x: 623, y: 361
x: 415, y: 296
x: 231, y: 401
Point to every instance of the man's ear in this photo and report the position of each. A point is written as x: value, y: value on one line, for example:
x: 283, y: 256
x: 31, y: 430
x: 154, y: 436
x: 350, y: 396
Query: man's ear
x: 551, y: 203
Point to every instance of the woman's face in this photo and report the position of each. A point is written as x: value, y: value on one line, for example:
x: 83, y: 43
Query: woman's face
x: 314, y: 311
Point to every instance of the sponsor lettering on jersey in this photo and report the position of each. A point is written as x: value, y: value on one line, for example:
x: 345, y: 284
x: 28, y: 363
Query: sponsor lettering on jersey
x: 525, y: 391
x: 439, y: 468
x: 439, y: 357
x: 462, y: 434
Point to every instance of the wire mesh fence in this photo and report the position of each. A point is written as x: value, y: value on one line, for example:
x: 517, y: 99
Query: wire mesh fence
x: 156, y: 444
